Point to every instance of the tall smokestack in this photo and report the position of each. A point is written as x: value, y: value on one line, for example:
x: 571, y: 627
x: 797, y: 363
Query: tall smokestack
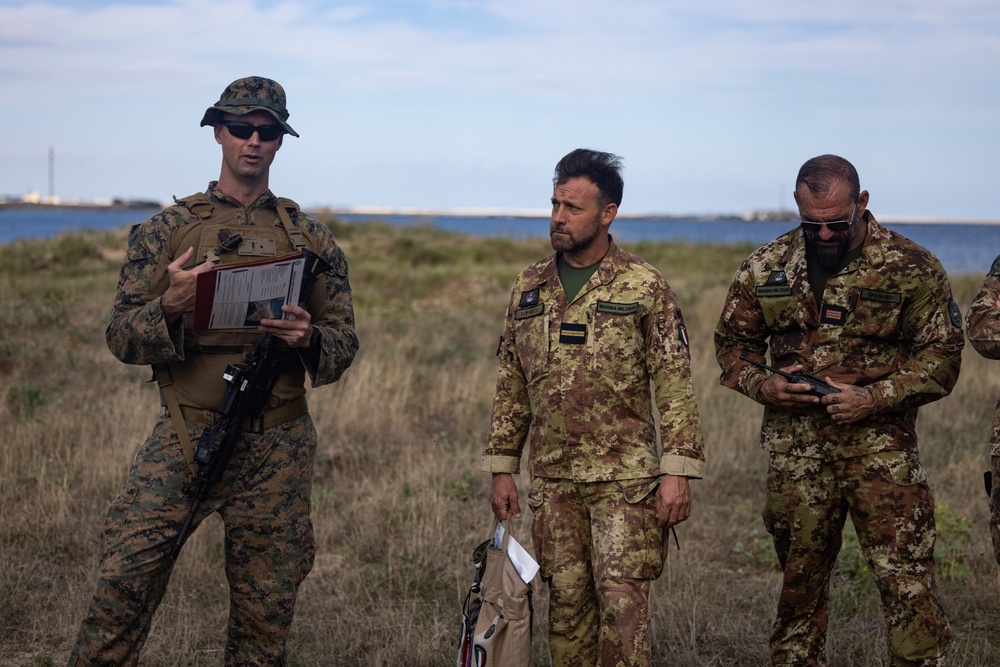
x: 52, y: 173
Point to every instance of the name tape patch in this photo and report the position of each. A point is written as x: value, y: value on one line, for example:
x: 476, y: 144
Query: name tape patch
x: 617, y: 308
x: 880, y: 296
x: 525, y: 313
x: 773, y: 290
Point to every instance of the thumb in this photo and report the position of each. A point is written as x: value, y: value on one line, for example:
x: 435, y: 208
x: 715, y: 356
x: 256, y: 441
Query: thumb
x: 515, y: 506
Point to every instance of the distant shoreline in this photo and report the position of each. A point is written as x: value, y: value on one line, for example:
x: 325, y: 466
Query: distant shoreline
x: 375, y: 211
x: 117, y: 206
x: 757, y: 216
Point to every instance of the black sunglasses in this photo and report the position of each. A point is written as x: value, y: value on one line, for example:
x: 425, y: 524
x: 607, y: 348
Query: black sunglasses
x: 242, y: 130
x: 833, y: 225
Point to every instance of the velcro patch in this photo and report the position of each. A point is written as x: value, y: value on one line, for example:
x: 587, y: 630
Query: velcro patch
x: 617, y: 308
x: 880, y: 296
x: 573, y: 334
x: 832, y: 314
x: 528, y: 298
x: 258, y: 247
x: 777, y: 278
x: 525, y: 313
x: 773, y: 290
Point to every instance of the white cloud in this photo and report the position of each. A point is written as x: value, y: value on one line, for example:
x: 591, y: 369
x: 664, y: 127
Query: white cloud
x: 705, y: 100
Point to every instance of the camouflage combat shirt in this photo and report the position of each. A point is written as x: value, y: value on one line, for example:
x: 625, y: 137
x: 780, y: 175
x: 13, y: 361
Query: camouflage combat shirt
x: 138, y: 332
x: 887, y: 322
x: 984, y: 333
x: 575, y: 377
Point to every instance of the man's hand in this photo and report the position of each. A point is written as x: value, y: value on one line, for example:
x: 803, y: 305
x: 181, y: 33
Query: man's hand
x: 180, y: 294
x: 295, y: 330
x: 503, y: 496
x: 673, y: 500
x: 776, y: 390
x: 852, y: 404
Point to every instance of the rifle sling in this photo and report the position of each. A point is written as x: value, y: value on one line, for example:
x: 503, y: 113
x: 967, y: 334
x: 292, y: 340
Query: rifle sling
x: 165, y: 380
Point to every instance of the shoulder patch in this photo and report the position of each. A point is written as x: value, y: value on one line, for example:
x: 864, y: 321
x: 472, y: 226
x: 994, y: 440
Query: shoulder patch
x: 955, y: 313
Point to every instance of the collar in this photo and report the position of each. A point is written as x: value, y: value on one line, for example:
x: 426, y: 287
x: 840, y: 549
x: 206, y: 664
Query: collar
x: 266, y: 200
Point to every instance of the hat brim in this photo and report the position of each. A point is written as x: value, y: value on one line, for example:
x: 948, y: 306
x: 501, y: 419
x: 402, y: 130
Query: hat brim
x: 213, y: 115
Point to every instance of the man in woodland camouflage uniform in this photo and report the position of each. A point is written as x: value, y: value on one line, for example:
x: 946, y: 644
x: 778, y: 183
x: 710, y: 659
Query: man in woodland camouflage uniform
x: 984, y: 334
x: 264, y: 494
x: 587, y: 330
x: 845, y: 299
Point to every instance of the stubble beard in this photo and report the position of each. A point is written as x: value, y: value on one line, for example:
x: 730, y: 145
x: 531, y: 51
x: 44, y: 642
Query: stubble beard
x: 567, y: 243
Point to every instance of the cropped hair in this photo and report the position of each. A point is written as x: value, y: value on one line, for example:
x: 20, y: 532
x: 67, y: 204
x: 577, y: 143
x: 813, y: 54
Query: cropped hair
x: 602, y: 169
x: 821, y: 172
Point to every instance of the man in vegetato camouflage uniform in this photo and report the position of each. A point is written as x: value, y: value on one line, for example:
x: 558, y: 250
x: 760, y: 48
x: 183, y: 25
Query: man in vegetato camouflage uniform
x: 587, y: 330
x: 264, y: 494
x: 847, y: 300
x: 984, y: 334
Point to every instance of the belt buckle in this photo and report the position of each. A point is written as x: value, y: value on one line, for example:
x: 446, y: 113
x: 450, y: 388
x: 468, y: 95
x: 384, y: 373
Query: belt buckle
x: 255, y: 424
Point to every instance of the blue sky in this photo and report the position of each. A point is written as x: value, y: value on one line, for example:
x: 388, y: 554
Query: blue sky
x: 445, y: 104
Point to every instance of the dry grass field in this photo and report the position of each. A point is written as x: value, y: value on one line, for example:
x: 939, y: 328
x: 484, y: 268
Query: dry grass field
x: 399, y: 502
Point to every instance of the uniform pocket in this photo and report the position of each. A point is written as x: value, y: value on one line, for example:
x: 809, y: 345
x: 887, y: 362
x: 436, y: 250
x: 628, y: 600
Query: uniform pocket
x: 906, y: 470
x: 646, y: 544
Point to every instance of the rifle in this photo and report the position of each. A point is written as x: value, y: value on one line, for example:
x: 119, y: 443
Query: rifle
x: 816, y: 386
x: 248, y: 391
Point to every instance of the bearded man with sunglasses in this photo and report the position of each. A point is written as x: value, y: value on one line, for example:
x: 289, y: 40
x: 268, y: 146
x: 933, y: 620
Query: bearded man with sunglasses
x: 871, y: 313
x: 264, y: 493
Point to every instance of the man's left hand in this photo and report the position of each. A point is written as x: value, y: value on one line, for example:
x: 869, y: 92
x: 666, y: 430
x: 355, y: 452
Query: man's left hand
x: 295, y: 330
x: 852, y: 404
x: 673, y: 500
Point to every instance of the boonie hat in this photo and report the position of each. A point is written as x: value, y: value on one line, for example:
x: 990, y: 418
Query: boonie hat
x: 253, y: 93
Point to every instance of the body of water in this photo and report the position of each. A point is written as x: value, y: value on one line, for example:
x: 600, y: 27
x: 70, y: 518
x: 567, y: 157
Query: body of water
x: 961, y: 247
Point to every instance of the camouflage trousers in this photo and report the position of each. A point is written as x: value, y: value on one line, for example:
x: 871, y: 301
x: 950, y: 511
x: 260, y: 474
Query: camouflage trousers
x: 598, y: 545
x: 995, y: 508
x: 890, y: 504
x: 263, y: 499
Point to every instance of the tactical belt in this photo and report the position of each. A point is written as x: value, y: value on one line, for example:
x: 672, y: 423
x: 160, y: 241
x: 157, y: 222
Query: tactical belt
x: 271, y: 418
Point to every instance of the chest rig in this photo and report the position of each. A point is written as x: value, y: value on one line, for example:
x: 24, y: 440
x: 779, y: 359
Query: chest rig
x: 225, y: 235
x: 230, y: 235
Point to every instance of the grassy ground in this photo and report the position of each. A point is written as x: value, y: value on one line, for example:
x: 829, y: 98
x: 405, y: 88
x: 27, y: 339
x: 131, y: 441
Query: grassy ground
x: 398, y: 500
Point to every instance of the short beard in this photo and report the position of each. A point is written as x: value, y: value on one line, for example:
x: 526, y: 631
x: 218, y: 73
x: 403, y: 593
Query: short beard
x: 831, y: 257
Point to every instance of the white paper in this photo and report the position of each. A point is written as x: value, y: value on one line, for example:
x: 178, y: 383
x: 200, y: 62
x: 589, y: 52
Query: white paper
x: 522, y: 560
x: 246, y: 294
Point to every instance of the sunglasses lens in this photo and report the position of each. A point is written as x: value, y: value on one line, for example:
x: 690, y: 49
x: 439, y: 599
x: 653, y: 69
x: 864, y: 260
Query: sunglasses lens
x: 268, y: 132
x: 838, y: 226
x: 239, y: 130
x: 246, y: 130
